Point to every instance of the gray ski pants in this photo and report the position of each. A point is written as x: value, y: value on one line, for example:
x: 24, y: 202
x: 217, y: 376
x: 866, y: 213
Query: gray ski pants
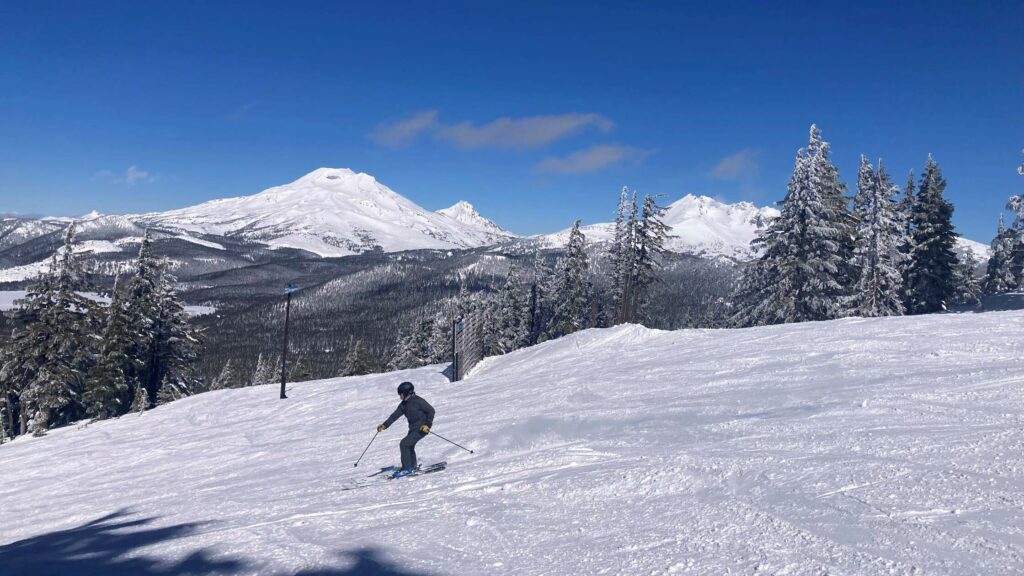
x: 408, y: 446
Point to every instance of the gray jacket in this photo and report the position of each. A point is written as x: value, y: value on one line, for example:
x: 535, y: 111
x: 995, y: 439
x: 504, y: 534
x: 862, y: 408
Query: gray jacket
x: 416, y: 410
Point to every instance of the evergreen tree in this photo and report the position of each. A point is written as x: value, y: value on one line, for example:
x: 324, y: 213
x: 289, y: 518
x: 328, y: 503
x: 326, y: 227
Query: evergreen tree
x: 621, y: 254
x: 261, y: 375
x: 413, y: 350
x: 439, y: 347
x: 933, y: 261
x: 803, y: 271
x: 967, y: 288
x: 357, y: 361
x: 574, y: 293
x: 1016, y: 241
x: 879, y: 291
x: 999, y: 276
x: 177, y: 344
x: 113, y: 376
x: 143, y: 300
x: 650, y: 236
x: 544, y: 301
x: 512, y: 321
x: 226, y: 379
x: 60, y: 345
x: 906, y: 209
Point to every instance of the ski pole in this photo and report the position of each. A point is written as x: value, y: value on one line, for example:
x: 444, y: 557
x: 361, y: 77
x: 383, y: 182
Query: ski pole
x: 365, y: 449
x: 450, y: 442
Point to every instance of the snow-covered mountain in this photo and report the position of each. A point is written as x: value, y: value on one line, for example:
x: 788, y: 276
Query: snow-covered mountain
x: 333, y: 212
x: 857, y: 446
x: 337, y: 212
x: 699, y: 225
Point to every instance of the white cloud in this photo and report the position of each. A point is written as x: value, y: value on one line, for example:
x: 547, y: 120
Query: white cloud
x: 591, y: 159
x: 397, y: 133
x: 527, y: 132
x: 739, y: 166
x: 131, y: 176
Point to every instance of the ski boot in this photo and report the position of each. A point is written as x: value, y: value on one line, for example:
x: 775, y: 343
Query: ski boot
x: 403, y: 472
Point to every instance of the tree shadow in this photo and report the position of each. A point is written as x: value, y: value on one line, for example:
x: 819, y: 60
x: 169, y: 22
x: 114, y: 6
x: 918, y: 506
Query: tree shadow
x: 109, y: 545
x: 105, y: 546
x: 366, y: 562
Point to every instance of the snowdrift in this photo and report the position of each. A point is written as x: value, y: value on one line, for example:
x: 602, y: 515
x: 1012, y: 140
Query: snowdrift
x: 849, y: 447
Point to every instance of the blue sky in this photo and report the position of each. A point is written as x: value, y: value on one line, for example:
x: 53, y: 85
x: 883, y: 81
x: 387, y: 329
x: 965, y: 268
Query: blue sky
x: 535, y: 112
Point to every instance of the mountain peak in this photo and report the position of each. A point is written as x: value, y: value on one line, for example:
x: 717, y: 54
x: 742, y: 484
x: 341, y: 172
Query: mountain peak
x: 334, y: 212
x: 464, y: 213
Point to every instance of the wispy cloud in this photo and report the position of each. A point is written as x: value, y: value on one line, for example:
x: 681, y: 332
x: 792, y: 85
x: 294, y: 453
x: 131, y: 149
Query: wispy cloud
x: 742, y: 165
x: 523, y: 133
x: 398, y: 133
x: 131, y: 176
x: 591, y: 159
x: 529, y: 132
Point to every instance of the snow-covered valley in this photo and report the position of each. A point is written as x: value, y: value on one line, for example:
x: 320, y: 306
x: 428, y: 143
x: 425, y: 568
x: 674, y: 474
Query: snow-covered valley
x: 882, y: 446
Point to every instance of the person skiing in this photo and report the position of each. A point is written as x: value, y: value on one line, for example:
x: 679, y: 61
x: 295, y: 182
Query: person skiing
x: 420, y: 415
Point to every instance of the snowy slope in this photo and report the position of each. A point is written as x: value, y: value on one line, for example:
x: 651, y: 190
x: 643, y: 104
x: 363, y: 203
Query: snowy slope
x: 980, y: 251
x: 330, y: 212
x: 698, y: 225
x: 884, y: 446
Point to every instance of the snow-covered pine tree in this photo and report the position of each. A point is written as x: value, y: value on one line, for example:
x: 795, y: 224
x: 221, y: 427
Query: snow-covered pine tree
x: 439, y: 347
x: 650, y: 235
x: 261, y: 374
x: 107, y: 390
x: 803, y: 271
x: 999, y: 276
x: 544, y: 299
x: 1016, y: 235
x: 357, y: 361
x: 572, y: 312
x: 933, y: 261
x: 177, y: 343
x: 226, y: 379
x: 413, y: 350
x: 512, y: 320
x: 967, y: 288
x: 63, y: 342
x: 23, y: 354
x: 865, y: 187
x: 620, y: 255
x: 879, y: 290
x: 143, y: 300
x: 906, y: 209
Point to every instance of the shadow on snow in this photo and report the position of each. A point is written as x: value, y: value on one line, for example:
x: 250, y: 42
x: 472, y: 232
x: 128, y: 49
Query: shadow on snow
x: 108, y: 546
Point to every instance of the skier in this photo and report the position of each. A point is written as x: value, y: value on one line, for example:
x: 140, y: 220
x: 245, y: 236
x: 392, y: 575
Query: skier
x: 420, y: 416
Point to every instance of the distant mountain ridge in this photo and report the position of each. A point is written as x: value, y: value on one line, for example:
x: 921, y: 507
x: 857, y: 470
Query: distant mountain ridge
x: 333, y: 212
x: 697, y: 224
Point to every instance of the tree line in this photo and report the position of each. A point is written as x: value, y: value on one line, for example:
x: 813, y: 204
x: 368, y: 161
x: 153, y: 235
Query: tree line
x: 70, y: 357
x: 826, y: 257
x: 554, y: 297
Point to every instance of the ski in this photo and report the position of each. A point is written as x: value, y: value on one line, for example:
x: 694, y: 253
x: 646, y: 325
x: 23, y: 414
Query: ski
x: 429, y: 469
x: 382, y: 474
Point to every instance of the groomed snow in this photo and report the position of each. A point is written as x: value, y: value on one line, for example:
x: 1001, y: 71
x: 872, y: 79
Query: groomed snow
x: 887, y: 446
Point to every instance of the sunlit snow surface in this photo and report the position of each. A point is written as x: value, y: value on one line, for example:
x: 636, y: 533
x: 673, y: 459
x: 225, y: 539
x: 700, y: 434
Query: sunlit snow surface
x: 892, y: 446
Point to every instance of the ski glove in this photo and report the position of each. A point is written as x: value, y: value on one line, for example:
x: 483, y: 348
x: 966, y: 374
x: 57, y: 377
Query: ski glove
x: 381, y: 428
x: 425, y: 429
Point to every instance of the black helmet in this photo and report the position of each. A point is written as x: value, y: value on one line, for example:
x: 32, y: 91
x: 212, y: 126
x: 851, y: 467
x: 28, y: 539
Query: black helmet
x: 405, y: 388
